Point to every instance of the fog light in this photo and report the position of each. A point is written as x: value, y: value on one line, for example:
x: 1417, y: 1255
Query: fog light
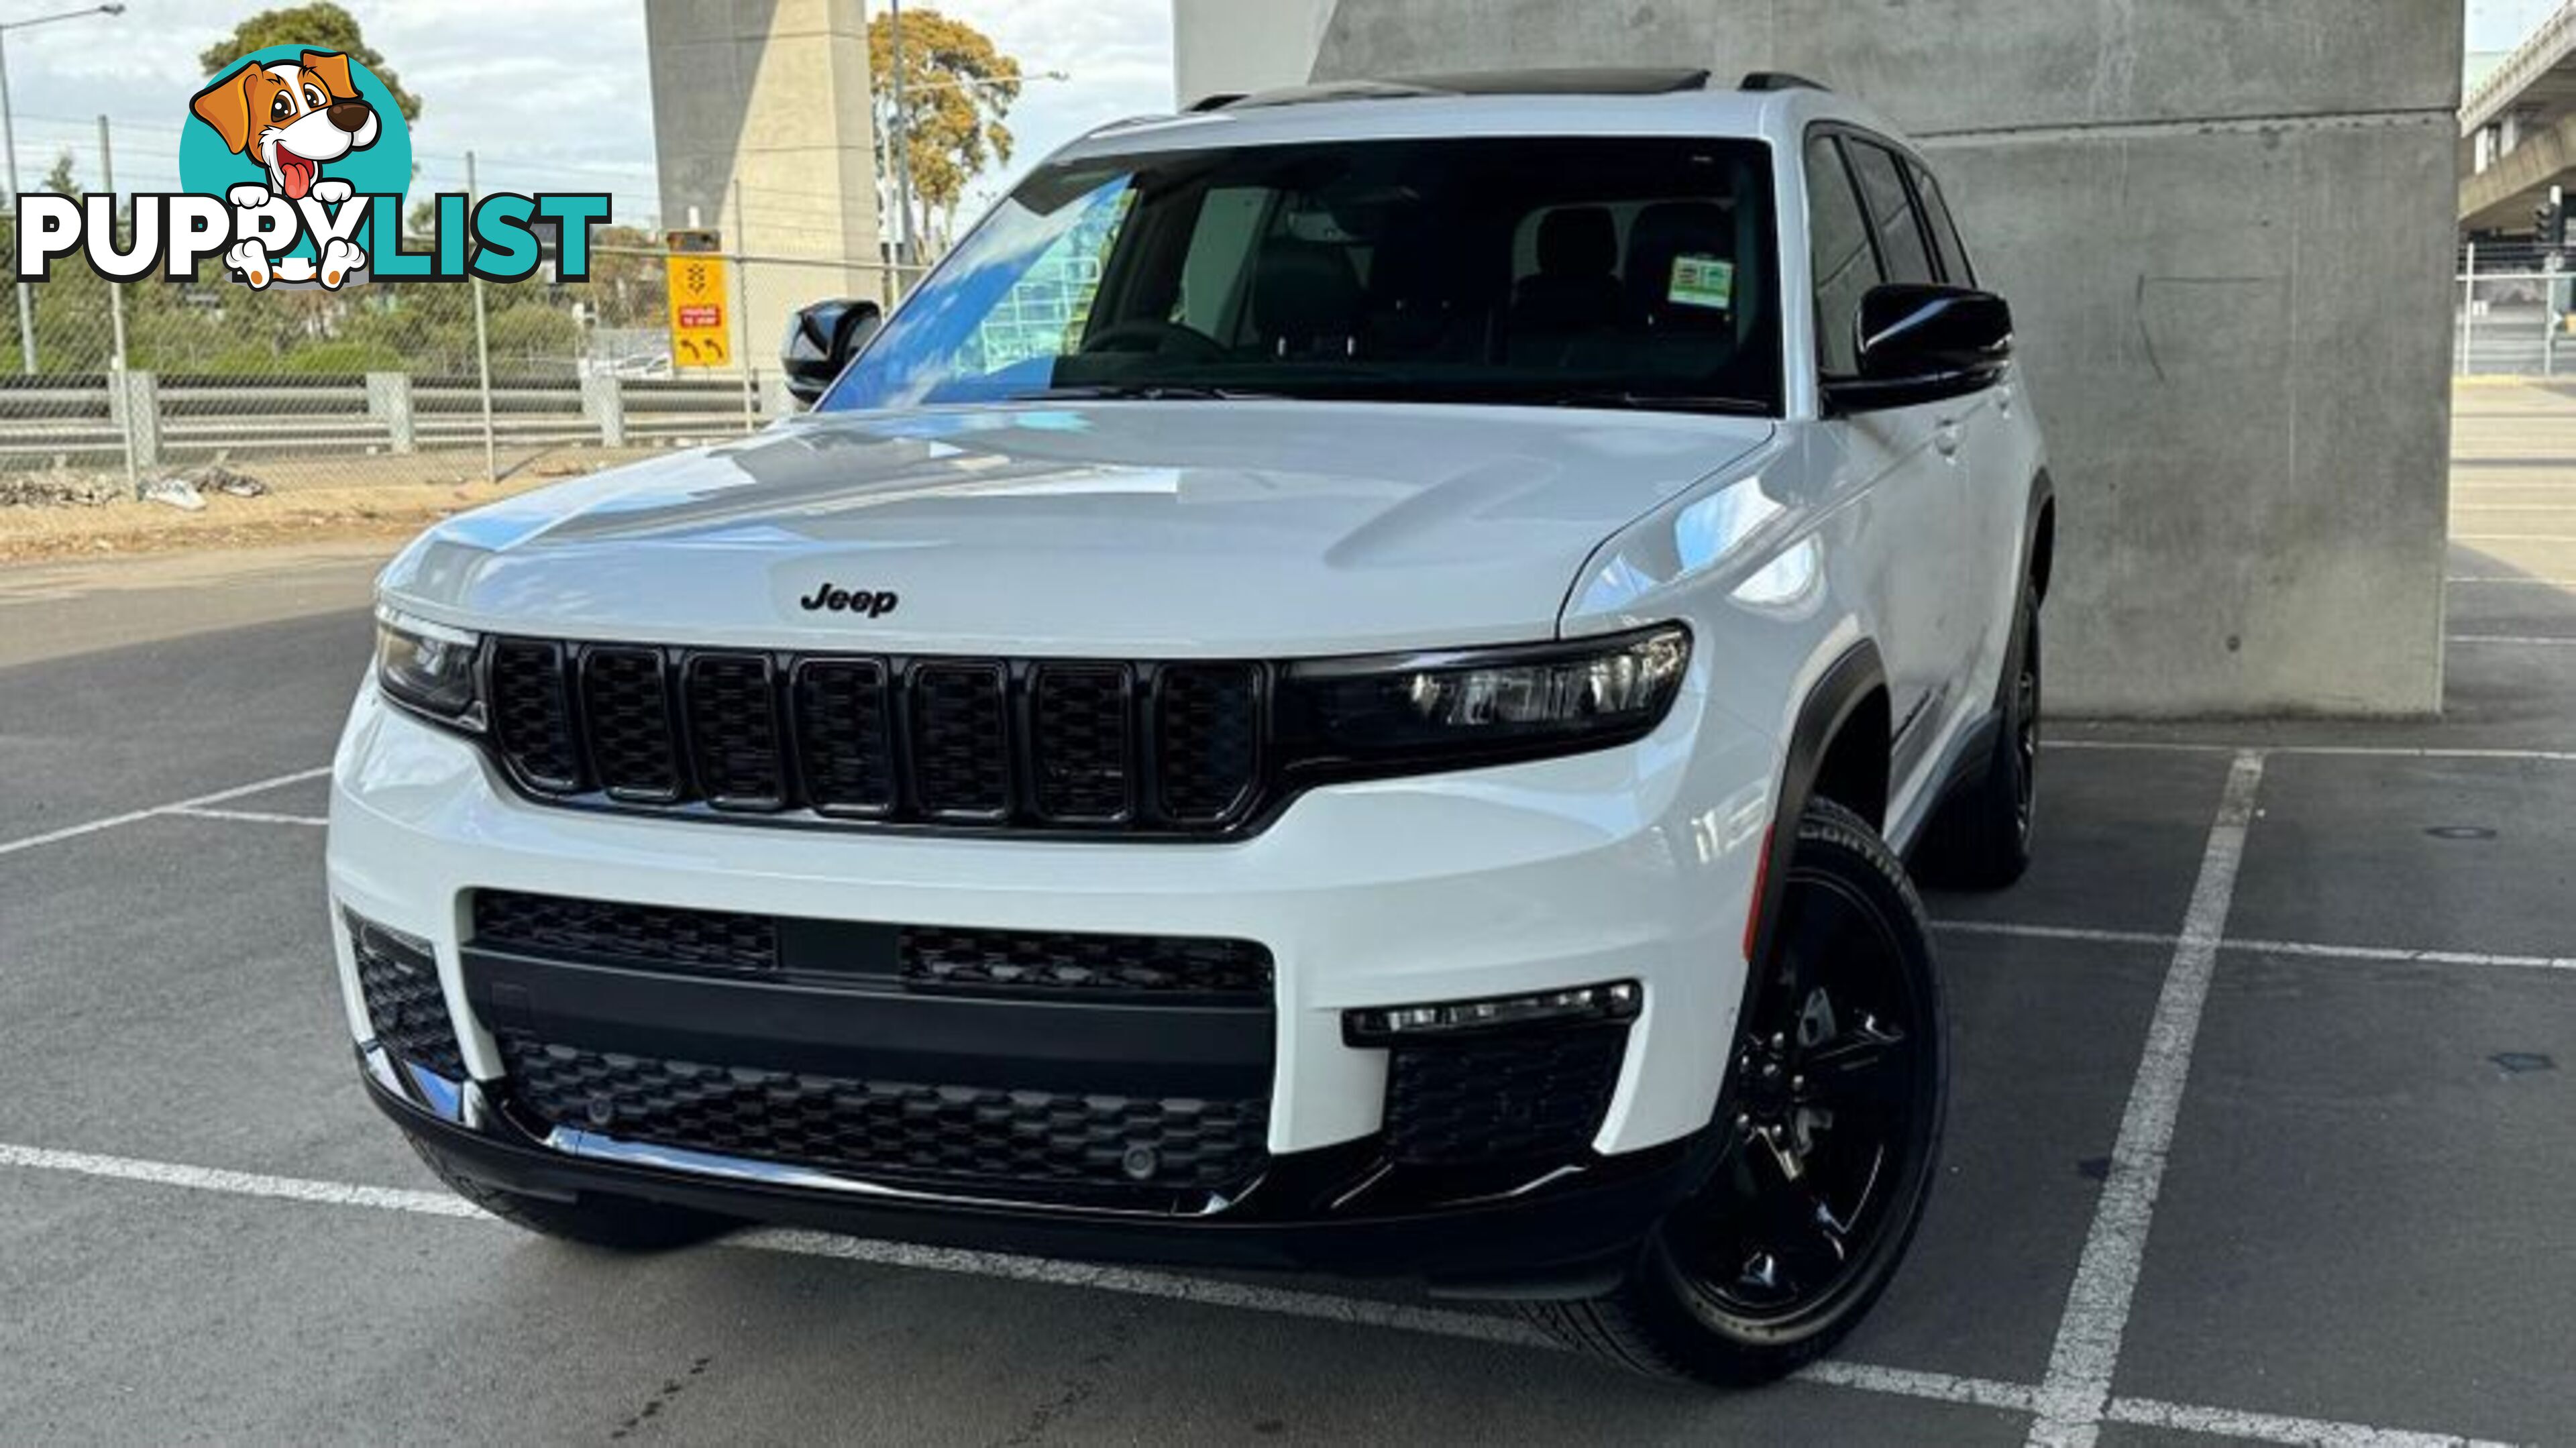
x: 1580, y: 1005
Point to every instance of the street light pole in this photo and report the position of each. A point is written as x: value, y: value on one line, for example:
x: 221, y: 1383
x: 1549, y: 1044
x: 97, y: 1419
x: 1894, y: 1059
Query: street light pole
x: 9, y: 144
x: 9, y: 135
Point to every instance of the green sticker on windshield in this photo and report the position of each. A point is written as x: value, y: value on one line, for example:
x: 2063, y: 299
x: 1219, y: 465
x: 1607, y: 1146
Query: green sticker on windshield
x: 1702, y: 281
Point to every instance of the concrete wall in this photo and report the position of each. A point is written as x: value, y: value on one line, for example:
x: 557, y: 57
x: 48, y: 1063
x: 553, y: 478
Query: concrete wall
x: 1245, y: 45
x: 761, y: 124
x: 2226, y: 231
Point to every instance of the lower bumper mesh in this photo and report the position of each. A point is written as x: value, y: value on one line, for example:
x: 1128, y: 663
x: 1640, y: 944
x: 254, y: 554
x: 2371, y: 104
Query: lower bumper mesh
x: 1510, y: 1097
x: 969, y: 1136
x: 398, y: 980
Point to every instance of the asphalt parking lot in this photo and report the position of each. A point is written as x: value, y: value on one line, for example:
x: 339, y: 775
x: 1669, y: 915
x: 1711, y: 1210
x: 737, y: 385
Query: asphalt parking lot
x: 2264, y: 1123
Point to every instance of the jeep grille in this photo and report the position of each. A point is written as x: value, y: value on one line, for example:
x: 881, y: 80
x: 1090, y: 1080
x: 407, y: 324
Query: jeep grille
x: 1056, y: 746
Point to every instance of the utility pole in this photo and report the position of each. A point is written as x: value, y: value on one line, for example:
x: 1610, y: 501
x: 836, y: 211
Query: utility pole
x: 115, y: 290
x: 482, y: 344
x: 116, y: 378
x: 898, y: 146
x: 9, y: 138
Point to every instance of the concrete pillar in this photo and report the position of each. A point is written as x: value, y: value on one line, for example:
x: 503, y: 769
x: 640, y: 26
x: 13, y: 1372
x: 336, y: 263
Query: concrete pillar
x: 605, y: 406
x: 134, y: 405
x: 761, y: 125
x: 389, y: 402
x: 2226, y: 231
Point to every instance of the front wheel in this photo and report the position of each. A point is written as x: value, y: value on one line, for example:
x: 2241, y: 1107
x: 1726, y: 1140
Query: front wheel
x: 1833, y: 1116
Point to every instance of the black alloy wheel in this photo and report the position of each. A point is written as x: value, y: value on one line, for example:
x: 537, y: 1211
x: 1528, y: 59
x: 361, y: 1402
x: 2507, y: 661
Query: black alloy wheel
x: 1831, y: 1128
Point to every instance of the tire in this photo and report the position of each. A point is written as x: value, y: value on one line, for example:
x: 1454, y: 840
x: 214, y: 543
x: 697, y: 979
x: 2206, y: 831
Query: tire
x: 1981, y: 839
x: 1722, y: 1290
x: 619, y: 1224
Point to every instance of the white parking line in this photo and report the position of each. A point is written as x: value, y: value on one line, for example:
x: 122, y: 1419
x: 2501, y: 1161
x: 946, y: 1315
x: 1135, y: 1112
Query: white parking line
x: 2544, y: 641
x: 1939, y: 1387
x: 1318, y: 1306
x: 2400, y: 956
x: 2308, y: 949
x: 2492, y: 580
x: 2351, y: 751
x: 2077, y: 1391
x: 236, y: 1183
x: 2011, y: 930
x: 2227, y: 1423
x: 248, y: 816
x: 72, y: 832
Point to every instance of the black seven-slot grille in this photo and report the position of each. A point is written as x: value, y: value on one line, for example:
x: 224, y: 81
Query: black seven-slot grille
x: 1048, y: 745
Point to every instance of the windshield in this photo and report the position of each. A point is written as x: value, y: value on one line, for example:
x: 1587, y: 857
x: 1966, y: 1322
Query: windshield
x: 1609, y: 271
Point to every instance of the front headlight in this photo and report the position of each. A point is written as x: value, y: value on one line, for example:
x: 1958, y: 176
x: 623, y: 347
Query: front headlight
x: 430, y: 668
x: 1449, y: 709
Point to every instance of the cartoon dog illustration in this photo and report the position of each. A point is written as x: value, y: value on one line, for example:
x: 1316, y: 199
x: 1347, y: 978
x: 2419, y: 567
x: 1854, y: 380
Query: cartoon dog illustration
x: 290, y: 118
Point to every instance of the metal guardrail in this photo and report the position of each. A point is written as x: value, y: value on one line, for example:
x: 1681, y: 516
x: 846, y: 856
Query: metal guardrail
x: 82, y: 421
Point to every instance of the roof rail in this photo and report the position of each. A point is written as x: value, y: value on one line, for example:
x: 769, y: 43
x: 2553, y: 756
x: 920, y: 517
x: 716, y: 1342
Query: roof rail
x: 1565, y: 81
x: 1216, y: 102
x: 1779, y: 80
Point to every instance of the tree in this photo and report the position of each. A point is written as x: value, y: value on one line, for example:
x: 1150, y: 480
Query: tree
x: 957, y: 87
x: 319, y: 26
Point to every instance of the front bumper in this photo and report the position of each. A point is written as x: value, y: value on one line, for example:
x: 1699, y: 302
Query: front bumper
x: 1634, y: 863
x: 1570, y: 1234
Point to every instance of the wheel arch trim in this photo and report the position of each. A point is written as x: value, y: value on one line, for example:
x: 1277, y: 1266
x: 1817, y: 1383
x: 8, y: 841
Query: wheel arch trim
x: 1838, y: 694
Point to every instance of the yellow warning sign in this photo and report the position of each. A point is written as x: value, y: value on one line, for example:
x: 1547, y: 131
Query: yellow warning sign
x: 695, y: 280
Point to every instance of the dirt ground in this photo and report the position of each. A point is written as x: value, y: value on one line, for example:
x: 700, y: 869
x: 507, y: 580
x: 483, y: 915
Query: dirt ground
x: 309, y: 501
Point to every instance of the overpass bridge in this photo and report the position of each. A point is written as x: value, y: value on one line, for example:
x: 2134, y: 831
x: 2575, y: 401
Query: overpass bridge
x: 2518, y: 130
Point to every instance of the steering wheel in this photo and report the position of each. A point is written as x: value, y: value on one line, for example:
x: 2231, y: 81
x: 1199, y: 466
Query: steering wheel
x: 1156, y: 336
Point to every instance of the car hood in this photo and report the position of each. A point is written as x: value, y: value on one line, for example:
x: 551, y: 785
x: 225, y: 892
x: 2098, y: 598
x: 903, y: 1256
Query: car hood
x: 1149, y: 529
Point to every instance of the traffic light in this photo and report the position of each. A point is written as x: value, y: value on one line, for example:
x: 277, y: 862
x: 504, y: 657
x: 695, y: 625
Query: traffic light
x: 2549, y: 223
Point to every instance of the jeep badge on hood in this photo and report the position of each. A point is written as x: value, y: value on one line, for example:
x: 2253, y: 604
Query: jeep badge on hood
x: 842, y: 600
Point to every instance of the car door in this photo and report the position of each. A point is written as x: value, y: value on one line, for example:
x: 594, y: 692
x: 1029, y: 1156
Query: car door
x: 1999, y: 454
x: 1863, y: 231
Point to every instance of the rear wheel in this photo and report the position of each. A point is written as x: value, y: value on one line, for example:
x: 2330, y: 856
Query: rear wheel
x: 1833, y: 1118
x: 1981, y: 839
x: 622, y: 1224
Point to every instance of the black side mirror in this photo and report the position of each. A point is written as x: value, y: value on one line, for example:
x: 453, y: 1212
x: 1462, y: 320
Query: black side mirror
x: 821, y: 340
x: 1922, y: 343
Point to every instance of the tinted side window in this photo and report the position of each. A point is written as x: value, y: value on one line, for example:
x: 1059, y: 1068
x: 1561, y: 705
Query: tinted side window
x: 1891, y: 214
x: 1845, y: 266
x: 1945, y: 232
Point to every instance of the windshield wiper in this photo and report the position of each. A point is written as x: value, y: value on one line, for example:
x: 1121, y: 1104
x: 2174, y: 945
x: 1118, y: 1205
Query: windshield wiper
x: 1653, y: 402
x: 1136, y: 392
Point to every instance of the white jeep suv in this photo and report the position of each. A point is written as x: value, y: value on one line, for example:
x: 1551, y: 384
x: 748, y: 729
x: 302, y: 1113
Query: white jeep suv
x: 1343, y: 687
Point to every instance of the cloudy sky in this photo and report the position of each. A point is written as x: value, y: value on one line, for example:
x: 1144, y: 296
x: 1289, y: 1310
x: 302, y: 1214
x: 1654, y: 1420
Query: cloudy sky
x: 551, y: 93
x: 2501, y: 24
